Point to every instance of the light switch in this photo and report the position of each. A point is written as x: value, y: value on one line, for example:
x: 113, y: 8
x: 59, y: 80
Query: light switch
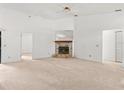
x: 97, y: 45
x: 5, y: 45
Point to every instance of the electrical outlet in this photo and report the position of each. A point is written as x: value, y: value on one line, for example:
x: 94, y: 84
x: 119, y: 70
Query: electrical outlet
x: 97, y: 45
x: 9, y: 57
x: 90, y: 55
x: 5, y: 45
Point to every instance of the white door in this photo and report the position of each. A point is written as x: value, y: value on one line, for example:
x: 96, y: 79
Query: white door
x: 118, y: 46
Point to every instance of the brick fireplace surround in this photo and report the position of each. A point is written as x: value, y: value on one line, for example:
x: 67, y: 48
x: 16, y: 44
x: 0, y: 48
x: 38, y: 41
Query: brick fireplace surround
x: 63, y: 49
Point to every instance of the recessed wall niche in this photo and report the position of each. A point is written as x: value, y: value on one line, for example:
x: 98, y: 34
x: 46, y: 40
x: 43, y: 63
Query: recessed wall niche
x: 64, y: 35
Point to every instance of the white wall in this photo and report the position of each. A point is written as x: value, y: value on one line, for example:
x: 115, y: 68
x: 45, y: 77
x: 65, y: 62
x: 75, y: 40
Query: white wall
x: 87, y: 33
x: 43, y: 45
x: 89, y: 29
x: 109, y: 45
x: 14, y: 23
x: 10, y: 46
x: 27, y: 43
x: 64, y: 24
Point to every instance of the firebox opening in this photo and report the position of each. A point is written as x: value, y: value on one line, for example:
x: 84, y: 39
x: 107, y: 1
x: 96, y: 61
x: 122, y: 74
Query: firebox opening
x: 63, y: 50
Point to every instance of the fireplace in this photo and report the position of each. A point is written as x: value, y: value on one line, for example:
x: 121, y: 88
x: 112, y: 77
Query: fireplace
x: 63, y: 48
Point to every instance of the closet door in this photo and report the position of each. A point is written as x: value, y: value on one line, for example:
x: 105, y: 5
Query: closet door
x: 118, y: 46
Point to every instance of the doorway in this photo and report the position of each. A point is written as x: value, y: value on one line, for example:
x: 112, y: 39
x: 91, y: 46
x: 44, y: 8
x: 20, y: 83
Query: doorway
x: 112, y: 46
x: 26, y: 48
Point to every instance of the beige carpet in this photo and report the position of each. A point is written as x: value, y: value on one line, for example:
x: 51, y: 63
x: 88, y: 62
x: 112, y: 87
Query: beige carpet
x: 53, y: 73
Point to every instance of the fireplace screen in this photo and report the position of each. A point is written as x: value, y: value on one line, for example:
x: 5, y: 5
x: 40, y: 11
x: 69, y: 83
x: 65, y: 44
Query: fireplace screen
x: 63, y: 50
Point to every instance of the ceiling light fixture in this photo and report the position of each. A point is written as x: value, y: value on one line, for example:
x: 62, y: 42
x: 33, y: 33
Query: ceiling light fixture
x: 29, y: 16
x: 67, y: 9
x: 118, y: 10
x: 75, y: 15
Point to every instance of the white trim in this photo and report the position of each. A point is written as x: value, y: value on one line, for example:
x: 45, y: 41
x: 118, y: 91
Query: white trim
x: 102, y: 42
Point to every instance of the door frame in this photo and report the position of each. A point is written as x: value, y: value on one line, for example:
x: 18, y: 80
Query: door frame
x: 115, y: 40
x: 21, y: 44
x: 116, y: 47
x: 0, y: 46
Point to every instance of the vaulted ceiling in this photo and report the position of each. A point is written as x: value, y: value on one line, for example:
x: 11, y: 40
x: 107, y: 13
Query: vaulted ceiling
x: 52, y: 10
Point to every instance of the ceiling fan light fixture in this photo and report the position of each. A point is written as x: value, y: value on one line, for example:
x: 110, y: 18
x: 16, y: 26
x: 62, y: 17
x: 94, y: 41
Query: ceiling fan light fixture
x: 29, y: 16
x: 75, y: 15
x: 67, y: 9
x: 118, y: 10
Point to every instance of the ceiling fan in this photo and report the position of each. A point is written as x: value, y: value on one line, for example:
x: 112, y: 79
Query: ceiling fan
x: 67, y: 10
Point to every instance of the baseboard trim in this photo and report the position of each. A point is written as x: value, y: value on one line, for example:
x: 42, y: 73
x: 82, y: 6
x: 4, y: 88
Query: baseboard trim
x: 89, y: 60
